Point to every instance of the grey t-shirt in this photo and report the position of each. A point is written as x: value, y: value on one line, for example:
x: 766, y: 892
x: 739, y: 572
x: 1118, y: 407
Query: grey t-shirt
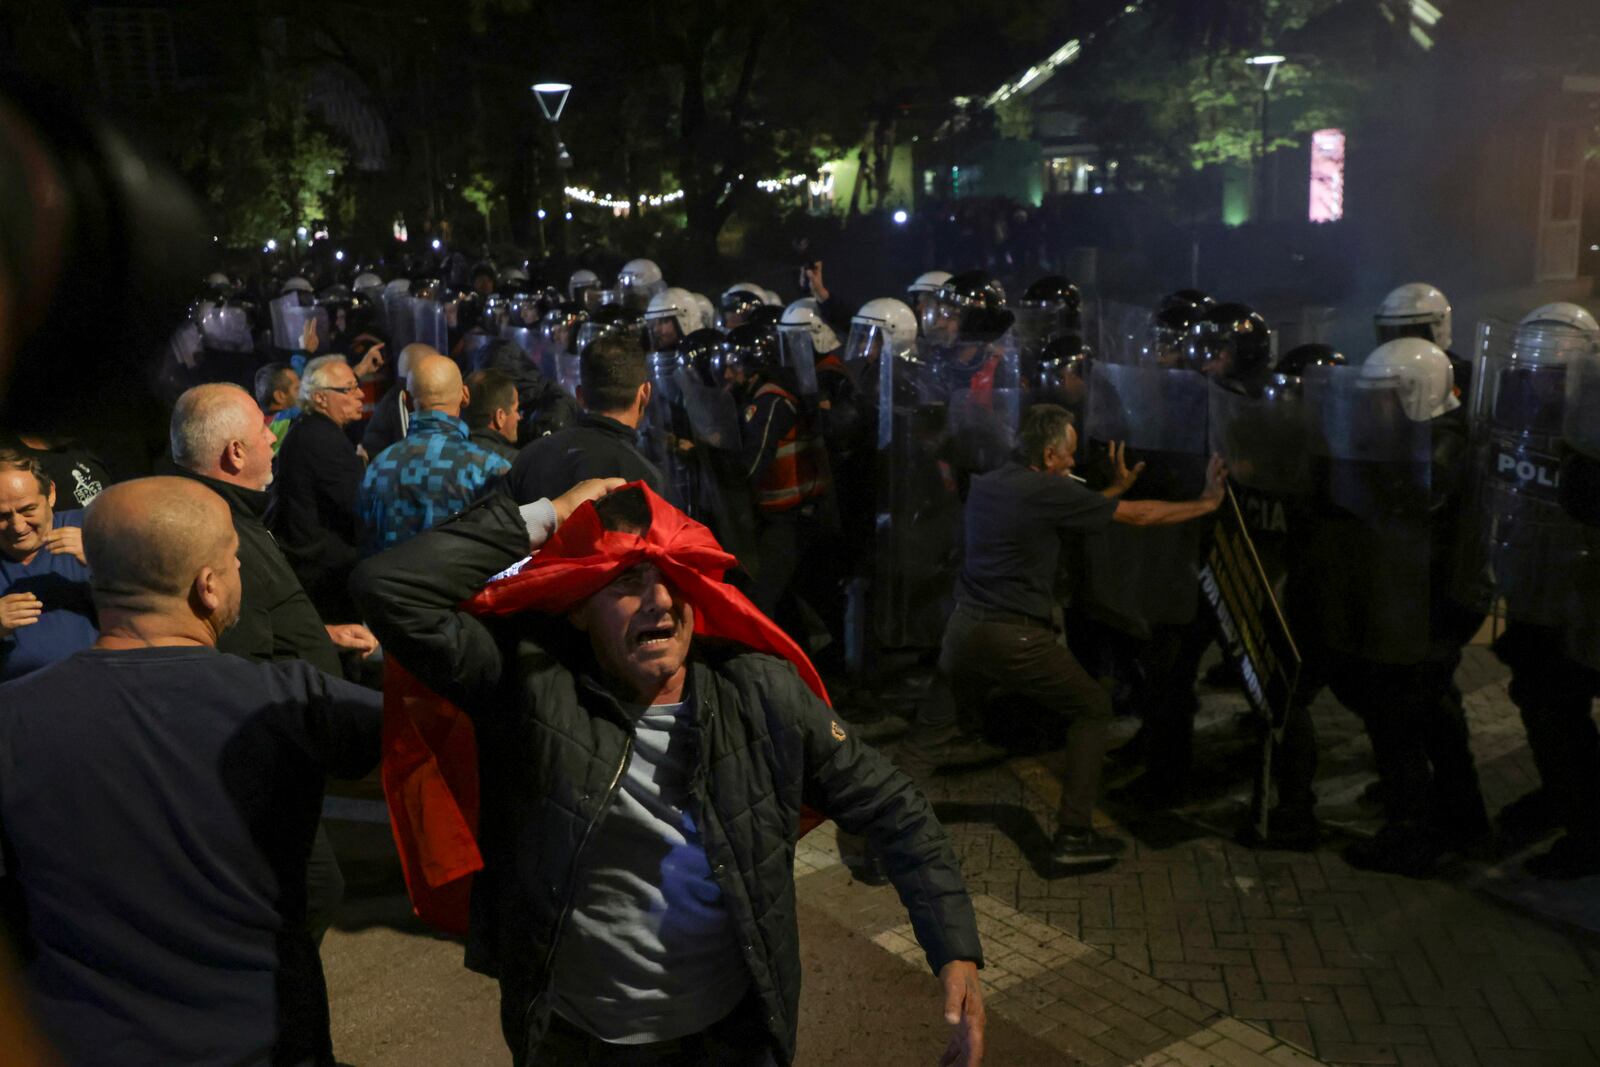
x: 649, y: 952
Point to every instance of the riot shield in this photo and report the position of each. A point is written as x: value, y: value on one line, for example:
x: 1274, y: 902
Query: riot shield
x: 289, y: 319
x: 420, y: 320
x: 796, y: 351
x: 475, y: 348
x: 713, y: 417
x: 1035, y: 326
x: 664, y: 423
x: 986, y: 414
x: 1262, y: 438
x: 1519, y: 545
x: 918, y: 507
x: 226, y: 329
x: 1139, y: 577
x: 1580, y: 423
x: 1124, y: 332
x: 1367, y: 548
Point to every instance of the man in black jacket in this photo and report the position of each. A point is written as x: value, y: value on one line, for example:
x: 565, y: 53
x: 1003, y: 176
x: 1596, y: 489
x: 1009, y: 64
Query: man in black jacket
x: 493, y: 413
x: 641, y: 792
x: 614, y: 392
x: 316, y: 505
x: 216, y: 438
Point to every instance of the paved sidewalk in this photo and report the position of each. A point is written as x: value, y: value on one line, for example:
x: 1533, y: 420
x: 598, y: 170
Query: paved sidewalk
x: 1194, y: 950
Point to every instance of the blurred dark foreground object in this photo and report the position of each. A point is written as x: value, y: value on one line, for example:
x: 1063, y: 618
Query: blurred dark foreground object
x: 100, y: 245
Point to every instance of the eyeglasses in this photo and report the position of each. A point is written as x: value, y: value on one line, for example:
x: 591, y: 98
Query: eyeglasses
x: 346, y: 389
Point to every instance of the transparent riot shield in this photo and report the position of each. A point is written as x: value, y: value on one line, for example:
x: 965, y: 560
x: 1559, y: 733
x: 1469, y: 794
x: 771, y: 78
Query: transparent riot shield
x: 419, y: 320
x: 1579, y: 489
x: 918, y: 505
x: 797, y: 352
x: 1367, y: 548
x: 226, y: 329
x: 289, y: 321
x: 1263, y: 441
x: 1139, y: 577
x: 1124, y: 333
x: 1035, y: 326
x: 664, y: 423
x: 713, y: 417
x: 475, y: 348
x: 1518, y: 543
x: 391, y: 305
x: 986, y: 413
x: 1262, y: 438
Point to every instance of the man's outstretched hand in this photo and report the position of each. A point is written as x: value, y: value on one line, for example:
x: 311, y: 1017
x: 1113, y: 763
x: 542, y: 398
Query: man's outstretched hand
x: 963, y: 1010
x: 582, y: 493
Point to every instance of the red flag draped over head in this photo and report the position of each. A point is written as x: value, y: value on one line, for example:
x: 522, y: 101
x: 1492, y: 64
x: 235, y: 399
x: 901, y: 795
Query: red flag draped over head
x: 430, y: 757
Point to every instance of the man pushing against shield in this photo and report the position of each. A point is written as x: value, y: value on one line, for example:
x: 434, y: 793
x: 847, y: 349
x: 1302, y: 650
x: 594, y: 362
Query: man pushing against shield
x: 645, y: 741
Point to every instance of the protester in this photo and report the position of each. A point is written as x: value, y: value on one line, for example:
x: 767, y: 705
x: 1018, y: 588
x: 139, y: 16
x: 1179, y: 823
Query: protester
x: 277, y: 390
x: 77, y: 472
x: 436, y: 471
x: 158, y: 897
x: 584, y: 670
x: 1001, y: 635
x: 315, y: 513
x: 392, y: 413
x: 493, y: 413
x: 45, y: 609
x: 614, y: 390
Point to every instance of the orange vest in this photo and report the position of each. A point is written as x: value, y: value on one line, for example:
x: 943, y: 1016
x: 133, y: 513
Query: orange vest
x: 799, y: 472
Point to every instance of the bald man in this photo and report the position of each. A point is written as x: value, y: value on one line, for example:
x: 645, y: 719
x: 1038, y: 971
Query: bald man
x: 392, y: 414
x: 436, y: 472
x: 158, y: 799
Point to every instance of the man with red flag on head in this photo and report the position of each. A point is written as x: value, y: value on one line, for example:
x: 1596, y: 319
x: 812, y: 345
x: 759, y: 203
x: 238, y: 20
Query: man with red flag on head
x: 626, y: 801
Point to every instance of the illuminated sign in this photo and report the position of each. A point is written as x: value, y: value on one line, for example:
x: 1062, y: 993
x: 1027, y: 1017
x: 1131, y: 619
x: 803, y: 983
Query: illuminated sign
x: 1327, y: 176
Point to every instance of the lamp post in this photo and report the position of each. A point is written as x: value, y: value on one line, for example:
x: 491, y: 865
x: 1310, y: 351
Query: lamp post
x: 1263, y: 194
x: 552, y: 97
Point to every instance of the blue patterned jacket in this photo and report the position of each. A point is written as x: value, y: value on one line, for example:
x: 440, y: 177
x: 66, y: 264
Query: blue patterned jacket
x: 420, y: 481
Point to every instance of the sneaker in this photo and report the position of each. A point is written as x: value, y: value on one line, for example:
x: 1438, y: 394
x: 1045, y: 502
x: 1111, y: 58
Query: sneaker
x: 1071, y: 849
x: 1568, y: 858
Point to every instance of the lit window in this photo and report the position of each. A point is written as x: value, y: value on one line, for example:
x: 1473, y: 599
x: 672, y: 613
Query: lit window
x: 1327, y: 176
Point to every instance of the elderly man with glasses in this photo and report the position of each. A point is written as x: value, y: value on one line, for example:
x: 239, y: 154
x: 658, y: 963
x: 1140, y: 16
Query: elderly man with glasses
x: 316, y: 507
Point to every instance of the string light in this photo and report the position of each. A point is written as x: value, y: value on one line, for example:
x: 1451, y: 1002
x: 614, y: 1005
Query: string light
x: 594, y: 199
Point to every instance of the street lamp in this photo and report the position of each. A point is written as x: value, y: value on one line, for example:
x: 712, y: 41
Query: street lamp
x: 1271, y: 62
x: 552, y: 97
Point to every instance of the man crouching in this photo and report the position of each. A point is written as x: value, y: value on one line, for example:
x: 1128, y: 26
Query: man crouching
x: 642, y: 773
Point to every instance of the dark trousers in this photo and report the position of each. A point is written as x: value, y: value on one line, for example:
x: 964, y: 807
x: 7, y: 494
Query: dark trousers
x: 796, y: 562
x: 1028, y: 667
x: 1417, y: 723
x: 324, y: 884
x: 739, y: 1040
x: 1556, y: 698
x: 1171, y: 664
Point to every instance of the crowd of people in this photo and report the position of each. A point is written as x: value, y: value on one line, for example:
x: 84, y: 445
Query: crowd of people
x: 668, y: 555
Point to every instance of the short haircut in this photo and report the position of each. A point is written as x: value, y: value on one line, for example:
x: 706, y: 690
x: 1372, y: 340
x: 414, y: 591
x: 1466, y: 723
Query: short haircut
x: 150, y: 537
x: 1042, y: 425
x: 13, y: 460
x: 625, y: 510
x: 269, y: 379
x: 491, y: 390
x: 610, y: 370
x: 205, y: 419
x: 318, y: 375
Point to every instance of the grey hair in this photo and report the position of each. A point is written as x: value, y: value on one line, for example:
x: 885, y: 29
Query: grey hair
x: 315, y: 376
x: 205, y: 419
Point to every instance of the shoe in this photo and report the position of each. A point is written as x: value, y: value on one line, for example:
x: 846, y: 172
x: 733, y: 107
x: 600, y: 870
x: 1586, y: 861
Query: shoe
x: 1405, y: 850
x: 1530, y: 815
x: 1071, y: 849
x: 1568, y: 858
x: 1287, y: 831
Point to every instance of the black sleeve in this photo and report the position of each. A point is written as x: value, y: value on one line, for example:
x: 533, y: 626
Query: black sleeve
x: 857, y: 787
x: 298, y: 632
x: 410, y: 597
x: 341, y: 722
x: 773, y: 419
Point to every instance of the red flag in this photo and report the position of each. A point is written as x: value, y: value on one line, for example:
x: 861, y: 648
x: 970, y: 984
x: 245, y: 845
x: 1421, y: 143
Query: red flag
x: 430, y: 755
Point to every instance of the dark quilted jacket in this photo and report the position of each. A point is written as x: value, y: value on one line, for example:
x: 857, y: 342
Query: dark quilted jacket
x: 552, y: 747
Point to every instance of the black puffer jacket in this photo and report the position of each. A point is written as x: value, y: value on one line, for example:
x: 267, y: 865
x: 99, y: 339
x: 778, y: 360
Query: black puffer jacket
x: 553, y: 745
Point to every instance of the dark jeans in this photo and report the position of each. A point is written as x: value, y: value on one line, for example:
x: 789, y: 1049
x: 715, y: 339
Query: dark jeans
x: 739, y: 1040
x: 1556, y: 698
x: 796, y: 558
x: 1027, y: 666
x: 324, y: 885
x: 1172, y: 664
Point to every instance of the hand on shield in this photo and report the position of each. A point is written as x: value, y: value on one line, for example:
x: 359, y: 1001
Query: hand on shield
x: 1216, y: 480
x: 1122, y: 478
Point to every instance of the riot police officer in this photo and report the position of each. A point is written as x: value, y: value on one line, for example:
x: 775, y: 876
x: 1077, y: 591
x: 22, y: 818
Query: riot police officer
x: 1538, y: 558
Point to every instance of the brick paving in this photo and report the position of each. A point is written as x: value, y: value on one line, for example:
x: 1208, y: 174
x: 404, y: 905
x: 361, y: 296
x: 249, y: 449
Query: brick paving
x: 1197, y: 951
